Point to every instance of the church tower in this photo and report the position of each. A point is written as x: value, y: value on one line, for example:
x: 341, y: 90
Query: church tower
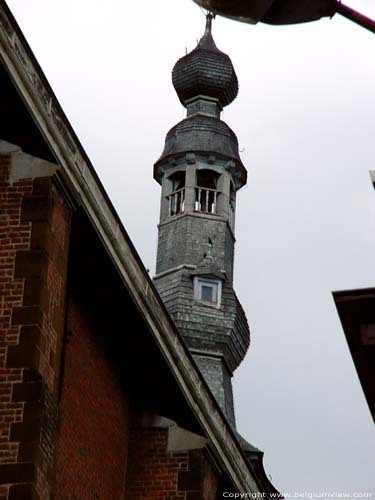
x: 200, y: 172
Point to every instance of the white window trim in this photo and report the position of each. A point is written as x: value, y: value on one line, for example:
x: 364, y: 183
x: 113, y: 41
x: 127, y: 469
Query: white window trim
x: 198, y: 282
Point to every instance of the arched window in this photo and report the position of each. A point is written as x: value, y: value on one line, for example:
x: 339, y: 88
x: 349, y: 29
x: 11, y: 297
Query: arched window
x: 178, y: 180
x: 176, y: 198
x: 207, y: 179
x: 206, y: 191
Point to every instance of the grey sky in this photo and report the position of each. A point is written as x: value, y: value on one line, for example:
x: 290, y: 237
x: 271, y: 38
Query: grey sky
x: 304, y: 118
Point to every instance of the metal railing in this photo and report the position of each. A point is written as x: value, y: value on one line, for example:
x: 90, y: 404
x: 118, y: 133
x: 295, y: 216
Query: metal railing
x: 176, y: 202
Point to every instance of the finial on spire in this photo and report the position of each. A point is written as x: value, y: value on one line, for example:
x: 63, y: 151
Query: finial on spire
x: 209, y: 16
x: 207, y: 41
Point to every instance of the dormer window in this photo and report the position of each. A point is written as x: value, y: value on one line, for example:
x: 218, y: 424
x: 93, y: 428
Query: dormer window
x: 207, y: 291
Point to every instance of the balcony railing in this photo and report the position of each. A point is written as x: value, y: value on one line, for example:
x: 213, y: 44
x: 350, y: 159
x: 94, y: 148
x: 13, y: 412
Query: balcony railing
x: 176, y: 202
x: 205, y: 200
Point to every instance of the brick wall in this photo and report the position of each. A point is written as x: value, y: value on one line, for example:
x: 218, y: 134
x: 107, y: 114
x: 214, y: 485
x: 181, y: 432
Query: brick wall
x: 156, y: 473
x: 94, y: 416
x: 152, y: 471
x: 200, y: 481
x: 34, y: 235
x: 14, y: 237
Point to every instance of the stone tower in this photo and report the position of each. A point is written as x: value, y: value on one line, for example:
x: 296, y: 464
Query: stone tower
x: 200, y: 172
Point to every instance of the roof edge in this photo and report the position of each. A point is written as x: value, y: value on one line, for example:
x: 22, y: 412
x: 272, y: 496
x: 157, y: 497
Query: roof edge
x: 354, y: 294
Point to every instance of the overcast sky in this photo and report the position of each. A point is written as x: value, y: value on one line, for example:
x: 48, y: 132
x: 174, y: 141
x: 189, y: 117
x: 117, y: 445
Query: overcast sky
x: 304, y: 118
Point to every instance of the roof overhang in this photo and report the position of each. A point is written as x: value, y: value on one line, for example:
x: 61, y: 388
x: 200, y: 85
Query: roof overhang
x: 356, y: 309
x: 281, y: 12
x: 271, y: 11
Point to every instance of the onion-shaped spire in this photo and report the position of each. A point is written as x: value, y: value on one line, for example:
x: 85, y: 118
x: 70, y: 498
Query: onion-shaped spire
x: 205, y: 71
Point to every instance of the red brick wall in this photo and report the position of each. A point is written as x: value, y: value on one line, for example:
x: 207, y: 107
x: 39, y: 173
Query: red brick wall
x: 210, y: 482
x: 155, y: 473
x: 94, y: 415
x: 34, y: 233
x: 200, y: 480
x: 152, y: 471
x: 14, y: 236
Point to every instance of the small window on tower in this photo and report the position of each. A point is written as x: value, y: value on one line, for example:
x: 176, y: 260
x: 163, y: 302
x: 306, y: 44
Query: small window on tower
x: 207, y: 291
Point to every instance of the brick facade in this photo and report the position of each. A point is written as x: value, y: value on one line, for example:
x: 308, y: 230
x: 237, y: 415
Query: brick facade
x: 14, y: 237
x: 34, y: 250
x: 155, y: 472
x: 94, y: 418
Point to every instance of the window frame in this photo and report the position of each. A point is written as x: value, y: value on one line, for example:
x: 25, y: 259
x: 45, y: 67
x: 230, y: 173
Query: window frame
x: 216, y: 285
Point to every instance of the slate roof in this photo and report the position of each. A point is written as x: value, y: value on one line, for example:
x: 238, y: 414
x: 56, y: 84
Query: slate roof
x: 205, y: 71
x: 201, y: 133
x: 208, y: 267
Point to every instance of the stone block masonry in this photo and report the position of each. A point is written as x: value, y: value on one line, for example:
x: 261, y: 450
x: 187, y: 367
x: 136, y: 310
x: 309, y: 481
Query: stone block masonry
x: 183, y: 240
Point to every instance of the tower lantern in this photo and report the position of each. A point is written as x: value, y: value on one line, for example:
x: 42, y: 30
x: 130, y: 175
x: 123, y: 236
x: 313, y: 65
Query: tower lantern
x: 200, y: 172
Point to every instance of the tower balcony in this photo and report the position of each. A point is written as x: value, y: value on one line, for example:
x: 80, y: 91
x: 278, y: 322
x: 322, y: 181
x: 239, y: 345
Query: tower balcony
x: 199, y: 199
x: 176, y: 202
x: 205, y: 200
